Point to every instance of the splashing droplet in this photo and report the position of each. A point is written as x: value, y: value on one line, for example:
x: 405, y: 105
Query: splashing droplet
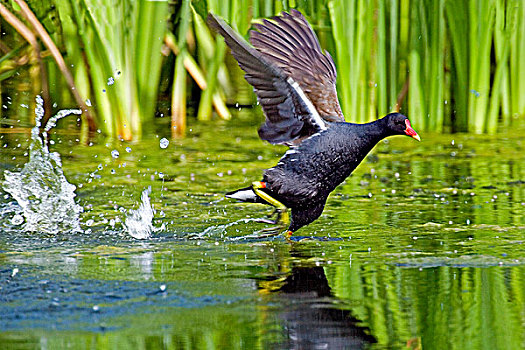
x: 17, y: 219
x: 115, y: 154
x: 164, y: 143
x: 138, y: 222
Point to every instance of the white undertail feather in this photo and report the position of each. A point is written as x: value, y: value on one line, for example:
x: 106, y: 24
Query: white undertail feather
x: 243, y: 195
x: 311, y: 108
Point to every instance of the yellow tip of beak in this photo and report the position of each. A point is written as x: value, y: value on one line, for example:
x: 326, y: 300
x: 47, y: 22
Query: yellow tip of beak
x: 416, y: 136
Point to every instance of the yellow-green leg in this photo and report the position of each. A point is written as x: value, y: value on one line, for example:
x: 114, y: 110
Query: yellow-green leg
x: 282, y: 209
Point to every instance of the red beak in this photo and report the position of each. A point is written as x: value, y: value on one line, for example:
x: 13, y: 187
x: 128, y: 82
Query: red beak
x: 411, y: 132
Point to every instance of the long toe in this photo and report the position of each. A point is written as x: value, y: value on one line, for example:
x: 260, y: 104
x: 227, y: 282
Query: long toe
x: 266, y: 221
x: 264, y: 233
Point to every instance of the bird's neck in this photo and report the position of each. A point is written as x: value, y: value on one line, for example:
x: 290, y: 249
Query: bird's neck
x: 375, y: 131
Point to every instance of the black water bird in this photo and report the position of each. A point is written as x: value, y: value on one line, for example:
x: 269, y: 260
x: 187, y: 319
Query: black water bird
x: 295, y: 85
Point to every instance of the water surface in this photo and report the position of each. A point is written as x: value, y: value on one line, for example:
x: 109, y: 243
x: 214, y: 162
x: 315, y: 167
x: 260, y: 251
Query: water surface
x: 422, y: 247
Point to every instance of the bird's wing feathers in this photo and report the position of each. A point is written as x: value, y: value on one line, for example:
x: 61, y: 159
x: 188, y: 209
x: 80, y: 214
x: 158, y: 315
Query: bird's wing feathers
x: 289, y: 42
x: 289, y: 113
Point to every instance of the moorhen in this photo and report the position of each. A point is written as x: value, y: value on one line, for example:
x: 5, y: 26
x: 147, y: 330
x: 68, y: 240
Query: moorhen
x: 295, y: 85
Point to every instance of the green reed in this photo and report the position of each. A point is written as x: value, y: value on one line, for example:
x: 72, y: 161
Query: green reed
x: 121, y: 42
x: 450, y: 65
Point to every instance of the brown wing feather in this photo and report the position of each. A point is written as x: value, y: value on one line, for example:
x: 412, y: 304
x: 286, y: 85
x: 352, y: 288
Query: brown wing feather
x: 290, y: 43
x: 290, y: 116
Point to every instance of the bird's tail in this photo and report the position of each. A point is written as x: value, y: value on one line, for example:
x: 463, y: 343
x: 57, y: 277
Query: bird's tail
x: 245, y: 195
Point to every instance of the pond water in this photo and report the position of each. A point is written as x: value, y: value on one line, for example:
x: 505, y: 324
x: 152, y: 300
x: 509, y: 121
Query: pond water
x: 421, y: 248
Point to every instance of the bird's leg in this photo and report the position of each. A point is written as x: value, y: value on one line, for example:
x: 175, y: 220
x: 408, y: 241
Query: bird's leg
x: 282, y: 218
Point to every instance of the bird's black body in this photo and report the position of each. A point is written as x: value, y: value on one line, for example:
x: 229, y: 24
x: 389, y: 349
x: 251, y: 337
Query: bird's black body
x: 307, y: 174
x: 295, y: 84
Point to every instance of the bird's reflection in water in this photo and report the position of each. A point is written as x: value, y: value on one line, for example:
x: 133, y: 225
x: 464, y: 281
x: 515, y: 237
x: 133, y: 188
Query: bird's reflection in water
x: 310, y: 315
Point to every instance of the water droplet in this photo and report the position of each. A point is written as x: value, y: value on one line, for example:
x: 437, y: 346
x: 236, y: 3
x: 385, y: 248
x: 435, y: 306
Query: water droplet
x: 111, y: 81
x: 17, y: 219
x: 164, y: 142
x: 88, y: 102
x: 115, y: 153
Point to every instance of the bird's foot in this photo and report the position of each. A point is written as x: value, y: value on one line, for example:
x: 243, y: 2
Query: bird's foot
x: 268, y: 233
x: 261, y: 234
x: 281, y: 218
x: 266, y: 221
x: 288, y: 235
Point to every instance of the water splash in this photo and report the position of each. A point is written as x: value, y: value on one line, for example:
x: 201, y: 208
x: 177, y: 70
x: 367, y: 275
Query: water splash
x: 40, y: 188
x: 138, y: 223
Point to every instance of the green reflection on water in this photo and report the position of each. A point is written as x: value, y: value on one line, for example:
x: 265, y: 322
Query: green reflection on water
x: 423, y: 245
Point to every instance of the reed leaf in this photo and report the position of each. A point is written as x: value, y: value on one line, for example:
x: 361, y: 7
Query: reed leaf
x: 457, y: 21
x: 178, y: 97
x: 482, y: 15
x: 392, y: 65
x: 517, y: 52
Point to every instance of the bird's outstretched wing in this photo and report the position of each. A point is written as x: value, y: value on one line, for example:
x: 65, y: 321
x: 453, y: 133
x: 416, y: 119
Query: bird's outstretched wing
x: 289, y: 42
x: 290, y: 115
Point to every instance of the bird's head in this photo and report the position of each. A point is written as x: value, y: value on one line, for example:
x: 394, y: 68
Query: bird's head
x: 400, y: 125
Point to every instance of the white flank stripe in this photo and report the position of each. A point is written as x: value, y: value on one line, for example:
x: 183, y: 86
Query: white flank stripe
x: 308, y: 103
x: 242, y: 195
